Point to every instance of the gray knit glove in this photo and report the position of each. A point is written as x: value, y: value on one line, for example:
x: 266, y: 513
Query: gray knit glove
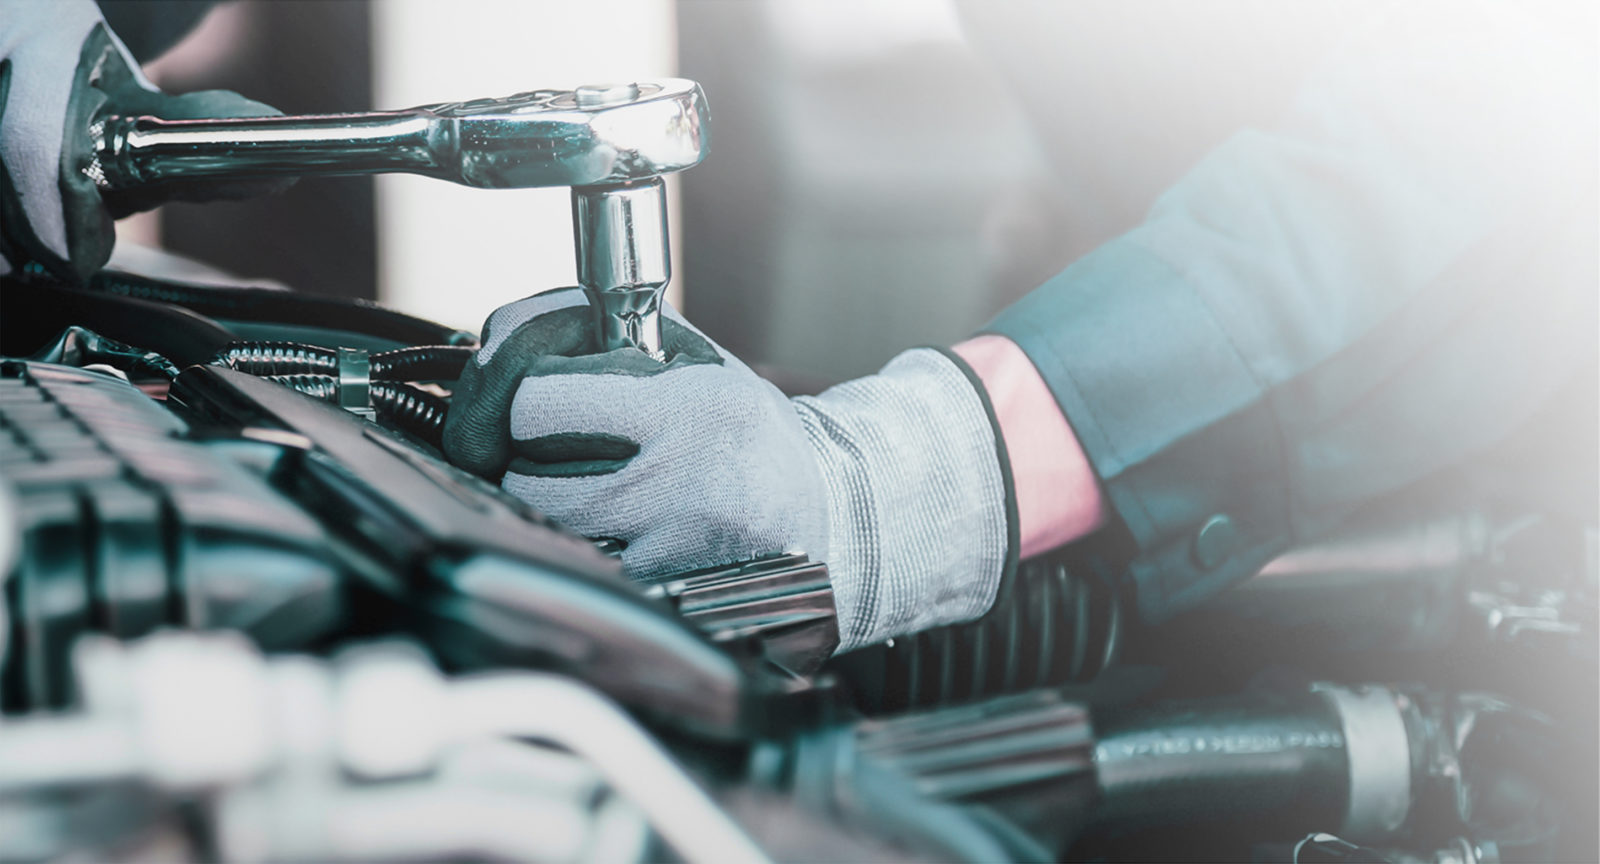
x: 60, y: 69
x: 896, y: 480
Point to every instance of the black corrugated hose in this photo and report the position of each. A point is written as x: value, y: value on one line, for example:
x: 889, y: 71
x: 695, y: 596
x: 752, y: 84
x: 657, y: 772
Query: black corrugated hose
x: 402, y: 405
x: 412, y: 409
x: 1057, y: 623
x: 420, y: 363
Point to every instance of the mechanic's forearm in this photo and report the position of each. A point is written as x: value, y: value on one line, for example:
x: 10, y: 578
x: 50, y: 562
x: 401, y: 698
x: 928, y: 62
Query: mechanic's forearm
x: 1058, y: 498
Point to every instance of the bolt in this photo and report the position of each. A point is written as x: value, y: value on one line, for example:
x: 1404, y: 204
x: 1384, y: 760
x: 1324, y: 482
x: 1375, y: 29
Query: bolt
x: 605, y: 95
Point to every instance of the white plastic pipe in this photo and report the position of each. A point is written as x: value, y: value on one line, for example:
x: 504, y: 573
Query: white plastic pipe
x: 562, y: 711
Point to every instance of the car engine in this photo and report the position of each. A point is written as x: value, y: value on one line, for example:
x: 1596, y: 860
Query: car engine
x: 251, y: 613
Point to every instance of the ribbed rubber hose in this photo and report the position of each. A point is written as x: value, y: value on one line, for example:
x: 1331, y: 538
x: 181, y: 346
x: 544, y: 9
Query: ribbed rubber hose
x: 406, y: 407
x: 1057, y: 623
x: 273, y: 359
x: 416, y: 411
x: 421, y: 363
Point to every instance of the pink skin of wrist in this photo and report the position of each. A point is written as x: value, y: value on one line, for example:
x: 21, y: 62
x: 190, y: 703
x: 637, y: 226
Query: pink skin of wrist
x: 1058, y: 498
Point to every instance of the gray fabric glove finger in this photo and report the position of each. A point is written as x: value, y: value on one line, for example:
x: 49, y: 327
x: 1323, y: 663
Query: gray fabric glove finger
x: 547, y: 334
x: 709, y: 438
x: 505, y: 320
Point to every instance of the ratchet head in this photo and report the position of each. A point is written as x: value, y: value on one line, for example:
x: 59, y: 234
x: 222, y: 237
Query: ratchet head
x: 585, y: 137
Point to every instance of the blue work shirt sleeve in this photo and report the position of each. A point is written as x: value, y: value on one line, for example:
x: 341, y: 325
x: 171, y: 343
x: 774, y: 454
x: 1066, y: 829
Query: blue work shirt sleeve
x: 1385, y: 284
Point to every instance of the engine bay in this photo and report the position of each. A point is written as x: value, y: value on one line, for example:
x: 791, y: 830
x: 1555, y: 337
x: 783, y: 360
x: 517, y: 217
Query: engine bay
x: 252, y: 614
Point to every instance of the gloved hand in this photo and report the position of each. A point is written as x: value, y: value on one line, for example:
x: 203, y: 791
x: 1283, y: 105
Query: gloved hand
x: 60, y: 68
x: 897, y: 480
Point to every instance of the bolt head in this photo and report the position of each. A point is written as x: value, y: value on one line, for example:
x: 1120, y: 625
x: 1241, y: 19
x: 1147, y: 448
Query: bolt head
x: 605, y: 95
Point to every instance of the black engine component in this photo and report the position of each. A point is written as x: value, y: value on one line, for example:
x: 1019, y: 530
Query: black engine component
x: 421, y: 363
x: 1278, y: 759
x: 1058, y: 623
x: 484, y: 578
x: 37, y: 312
x: 401, y: 405
x: 265, y: 305
x: 127, y: 526
x: 241, y: 504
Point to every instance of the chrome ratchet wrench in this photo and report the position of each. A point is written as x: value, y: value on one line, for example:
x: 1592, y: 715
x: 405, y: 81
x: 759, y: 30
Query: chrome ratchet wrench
x: 611, y: 144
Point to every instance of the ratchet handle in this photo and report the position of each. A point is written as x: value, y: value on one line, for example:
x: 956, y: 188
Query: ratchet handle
x: 592, y: 136
x: 131, y: 152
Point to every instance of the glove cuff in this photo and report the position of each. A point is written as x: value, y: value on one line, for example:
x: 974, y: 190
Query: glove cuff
x: 920, y: 504
x: 1013, y: 558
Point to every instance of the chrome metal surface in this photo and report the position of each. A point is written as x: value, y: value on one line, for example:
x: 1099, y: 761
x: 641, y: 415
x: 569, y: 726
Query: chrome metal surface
x: 610, y: 142
x: 533, y: 139
x: 785, y: 601
x: 355, y: 380
x: 970, y: 752
x: 624, y: 260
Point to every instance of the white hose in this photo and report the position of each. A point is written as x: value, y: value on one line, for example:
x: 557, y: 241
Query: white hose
x: 567, y: 713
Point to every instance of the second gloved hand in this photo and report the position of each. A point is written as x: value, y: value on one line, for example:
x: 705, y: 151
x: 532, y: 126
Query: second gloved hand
x: 896, y: 480
x: 60, y: 70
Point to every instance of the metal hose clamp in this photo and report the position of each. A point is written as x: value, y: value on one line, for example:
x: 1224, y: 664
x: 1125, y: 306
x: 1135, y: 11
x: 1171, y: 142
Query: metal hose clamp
x: 355, y: 382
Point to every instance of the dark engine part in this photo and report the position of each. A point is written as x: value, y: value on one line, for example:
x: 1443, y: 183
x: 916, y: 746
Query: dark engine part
x: 78, y: 346
x: 422, y: 363
x: 400, y: 405
x: 1058, y: 622
x: 484, y: 578
x: 136, y: 517
x: 1283, y: 760
x: 414, y: 410
x: 127, y: 527
x: 37, y: 312
x: 268, y: 306
x: 1236, y: 777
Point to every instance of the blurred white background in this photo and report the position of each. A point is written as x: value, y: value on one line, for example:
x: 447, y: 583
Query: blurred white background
x: 883, y: 173
x: 454, y: 254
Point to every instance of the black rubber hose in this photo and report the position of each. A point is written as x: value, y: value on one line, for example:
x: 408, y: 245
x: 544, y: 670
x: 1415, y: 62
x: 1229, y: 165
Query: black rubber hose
x: 325, y: 387
x: 1277, y: 761
x: 284, y: 307
x: 37, y: 311
x: 1058, y: 623
x: 413, y: 410
x: 402, y: 405
x: 421, y: 363
x: 273, y: 359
